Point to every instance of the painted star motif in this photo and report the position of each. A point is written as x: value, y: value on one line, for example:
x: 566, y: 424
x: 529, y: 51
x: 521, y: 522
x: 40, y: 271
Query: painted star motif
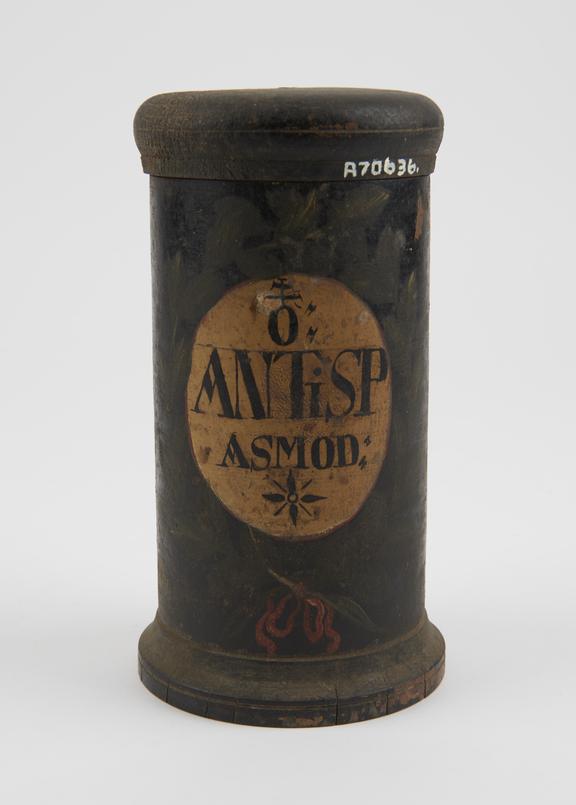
x: 292, y: 498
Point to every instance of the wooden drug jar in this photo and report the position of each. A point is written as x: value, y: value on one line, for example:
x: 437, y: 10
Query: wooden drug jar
x: 290, y: 240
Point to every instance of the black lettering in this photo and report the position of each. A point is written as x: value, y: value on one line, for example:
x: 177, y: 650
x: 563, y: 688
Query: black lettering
x: 261, y: 452
x: 343, y: 453
x: 274, y: 330
x: 343, y: 384
x: 234, y: 454
x: 314, y: 385
x: 243, y: 363
x: 268, y: 358
x: 214, y: 380
x: 368, y: 378
x: 314, y: 399
x: 283, y: 444
x: 297, y: 386
x: 328, y: 460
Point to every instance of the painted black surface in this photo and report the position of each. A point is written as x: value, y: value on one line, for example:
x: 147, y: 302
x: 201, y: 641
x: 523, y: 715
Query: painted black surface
x: 215, y: 574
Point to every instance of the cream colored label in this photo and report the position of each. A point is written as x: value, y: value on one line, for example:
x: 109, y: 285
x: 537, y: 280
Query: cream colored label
x: 289, y: 403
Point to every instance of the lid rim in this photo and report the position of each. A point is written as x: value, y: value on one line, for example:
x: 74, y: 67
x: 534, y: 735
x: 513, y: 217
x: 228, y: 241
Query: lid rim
x: 310, y: 132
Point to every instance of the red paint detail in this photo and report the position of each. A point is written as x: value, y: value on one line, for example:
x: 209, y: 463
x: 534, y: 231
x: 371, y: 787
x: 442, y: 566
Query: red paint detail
x: 261, y: 638
x: 313, y: 631
x: 272, y: 623
x: 317, y: 622
x: 333, y: 636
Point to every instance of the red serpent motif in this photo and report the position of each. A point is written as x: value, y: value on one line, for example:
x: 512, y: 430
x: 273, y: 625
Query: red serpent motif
x: 317, y: 621
x: 261, y: 638
x: 331, y: 633
x: 314, y: 631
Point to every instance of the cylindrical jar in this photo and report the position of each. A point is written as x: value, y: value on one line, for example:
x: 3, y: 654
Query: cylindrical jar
x: 290, y: 238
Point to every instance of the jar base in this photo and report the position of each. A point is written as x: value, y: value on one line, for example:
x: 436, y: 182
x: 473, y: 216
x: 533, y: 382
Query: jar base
x: 297, y: 692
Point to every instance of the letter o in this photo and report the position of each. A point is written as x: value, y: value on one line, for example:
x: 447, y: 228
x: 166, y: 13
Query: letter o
x: 316, y: 456
x: 274, y: 330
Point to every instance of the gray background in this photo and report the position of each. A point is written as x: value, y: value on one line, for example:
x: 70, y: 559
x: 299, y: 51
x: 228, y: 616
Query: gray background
x: 77, y: 578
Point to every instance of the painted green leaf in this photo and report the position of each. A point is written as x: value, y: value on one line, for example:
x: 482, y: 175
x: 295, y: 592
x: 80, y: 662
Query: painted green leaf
x: 352, y: 611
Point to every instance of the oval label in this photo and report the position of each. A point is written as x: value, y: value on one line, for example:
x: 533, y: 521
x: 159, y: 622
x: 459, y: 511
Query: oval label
x: 289, y: 403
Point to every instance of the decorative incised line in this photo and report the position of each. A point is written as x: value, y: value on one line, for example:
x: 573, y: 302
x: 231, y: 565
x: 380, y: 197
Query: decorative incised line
x: 291, y: 498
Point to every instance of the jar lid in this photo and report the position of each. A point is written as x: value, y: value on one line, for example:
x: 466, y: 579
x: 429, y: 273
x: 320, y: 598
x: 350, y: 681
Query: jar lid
x: 289, y: 134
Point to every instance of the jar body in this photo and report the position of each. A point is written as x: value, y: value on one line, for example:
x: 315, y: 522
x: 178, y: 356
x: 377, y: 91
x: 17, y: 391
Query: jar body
x: 290, y: 370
